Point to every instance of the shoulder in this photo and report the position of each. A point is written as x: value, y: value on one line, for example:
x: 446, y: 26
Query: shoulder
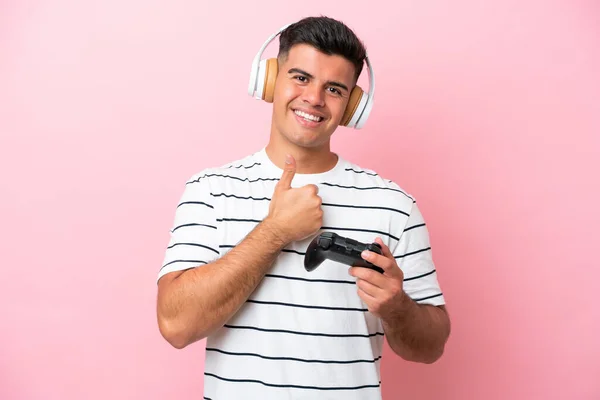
x: 236, y: 169
x: 369, y: 178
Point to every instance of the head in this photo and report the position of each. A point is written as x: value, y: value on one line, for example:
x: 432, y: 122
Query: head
x: 319, y: 62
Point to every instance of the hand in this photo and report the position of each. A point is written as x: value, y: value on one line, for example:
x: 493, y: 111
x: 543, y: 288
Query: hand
x: 295, y: 213
x: 382, y: 293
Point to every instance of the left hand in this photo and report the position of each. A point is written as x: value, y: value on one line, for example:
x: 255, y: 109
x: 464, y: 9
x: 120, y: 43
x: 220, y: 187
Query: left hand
x: 382, y: 293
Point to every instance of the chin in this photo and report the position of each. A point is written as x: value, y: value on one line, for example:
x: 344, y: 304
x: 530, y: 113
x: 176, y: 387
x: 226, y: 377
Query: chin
x: 304, y: 138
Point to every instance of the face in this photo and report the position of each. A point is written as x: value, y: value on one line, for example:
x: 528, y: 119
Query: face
x: 311, y: 93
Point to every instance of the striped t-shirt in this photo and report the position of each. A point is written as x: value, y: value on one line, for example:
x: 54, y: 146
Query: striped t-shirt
x: 301, y: 335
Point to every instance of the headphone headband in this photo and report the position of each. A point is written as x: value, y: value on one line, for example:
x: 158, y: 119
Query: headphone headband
x: 362, y: 107
x: 256, y: 61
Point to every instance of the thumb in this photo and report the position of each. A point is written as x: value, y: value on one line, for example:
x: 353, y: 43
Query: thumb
x: 384, y: 249
x: 289, y: 171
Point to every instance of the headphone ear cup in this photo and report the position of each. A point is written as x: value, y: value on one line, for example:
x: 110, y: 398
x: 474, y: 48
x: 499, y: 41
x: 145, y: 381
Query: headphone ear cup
x: 351, y: 108
x: 271, y: 70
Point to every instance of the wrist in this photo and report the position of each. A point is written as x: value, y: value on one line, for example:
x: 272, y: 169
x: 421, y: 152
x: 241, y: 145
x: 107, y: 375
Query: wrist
x: 406, y: 304
x: 401, y: 311
x: 276, y: 234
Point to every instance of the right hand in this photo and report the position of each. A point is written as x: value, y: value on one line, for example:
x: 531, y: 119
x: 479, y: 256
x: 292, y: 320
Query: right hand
x: 295, y: 212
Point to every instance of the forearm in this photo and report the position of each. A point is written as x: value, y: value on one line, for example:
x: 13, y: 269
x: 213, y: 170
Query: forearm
x: 201, y: 300
x: 417, y: 332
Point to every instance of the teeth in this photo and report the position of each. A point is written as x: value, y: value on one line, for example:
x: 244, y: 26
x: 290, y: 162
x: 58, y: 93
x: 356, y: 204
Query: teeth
x: 308, y: 116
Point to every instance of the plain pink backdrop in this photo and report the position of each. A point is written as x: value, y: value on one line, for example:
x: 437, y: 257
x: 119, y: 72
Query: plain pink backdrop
x: 488, y: 112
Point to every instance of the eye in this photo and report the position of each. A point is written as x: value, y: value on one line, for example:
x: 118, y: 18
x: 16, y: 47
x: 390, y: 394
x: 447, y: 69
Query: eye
x: 335, y: 90
x: 301, y: 78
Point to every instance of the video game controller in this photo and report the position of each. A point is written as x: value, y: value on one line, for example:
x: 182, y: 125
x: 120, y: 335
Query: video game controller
x: 330, y: 245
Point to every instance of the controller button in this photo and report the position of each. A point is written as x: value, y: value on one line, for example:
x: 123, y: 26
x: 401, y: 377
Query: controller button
x: 324, y: 243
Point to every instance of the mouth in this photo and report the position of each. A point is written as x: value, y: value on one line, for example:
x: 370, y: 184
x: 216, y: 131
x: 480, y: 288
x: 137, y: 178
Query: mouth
x: 308, y: 120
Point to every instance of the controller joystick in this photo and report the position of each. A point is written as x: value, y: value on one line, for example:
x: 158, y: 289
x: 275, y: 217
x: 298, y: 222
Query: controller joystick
x: 330, y: 245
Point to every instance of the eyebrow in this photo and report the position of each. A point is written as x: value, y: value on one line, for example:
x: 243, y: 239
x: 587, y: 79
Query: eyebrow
x: 333, y: 83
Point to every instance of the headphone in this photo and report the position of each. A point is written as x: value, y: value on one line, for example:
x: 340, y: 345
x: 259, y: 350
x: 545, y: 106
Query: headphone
x: 262, y: 87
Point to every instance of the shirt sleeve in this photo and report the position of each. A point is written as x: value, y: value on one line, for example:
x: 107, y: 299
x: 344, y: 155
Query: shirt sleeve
x: 413, y: 255
x: 193, y: 239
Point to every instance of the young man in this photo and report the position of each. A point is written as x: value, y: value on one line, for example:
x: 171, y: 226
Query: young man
x: 233, y: 271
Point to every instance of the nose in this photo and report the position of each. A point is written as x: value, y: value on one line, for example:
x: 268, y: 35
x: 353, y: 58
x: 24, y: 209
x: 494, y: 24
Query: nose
x: 313, y: 95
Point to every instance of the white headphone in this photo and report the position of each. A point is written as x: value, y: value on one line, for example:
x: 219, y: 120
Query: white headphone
x: 262, y: 86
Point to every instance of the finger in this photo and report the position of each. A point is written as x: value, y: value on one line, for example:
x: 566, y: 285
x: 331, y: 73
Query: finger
x: 285, y: 182
x: 386, y: 263
x: 374, y: 278
x: 368, y: 288
x: 384, y: 249
x: 312, y: 188
x: 367, y: 299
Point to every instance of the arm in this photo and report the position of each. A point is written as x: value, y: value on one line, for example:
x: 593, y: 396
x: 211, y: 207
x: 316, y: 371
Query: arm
x: 417, y: 332
x: 195, y: 302
x: 407, y: 296
x: 192, y: 303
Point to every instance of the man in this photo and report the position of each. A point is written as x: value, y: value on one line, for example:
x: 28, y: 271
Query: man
x: 233, y: 271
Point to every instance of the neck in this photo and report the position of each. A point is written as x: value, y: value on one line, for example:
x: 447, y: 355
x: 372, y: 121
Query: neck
x: 309, y: 160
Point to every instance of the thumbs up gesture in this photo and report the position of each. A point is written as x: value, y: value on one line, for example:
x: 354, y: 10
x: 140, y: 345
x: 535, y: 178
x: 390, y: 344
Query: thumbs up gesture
x: 295, y: 212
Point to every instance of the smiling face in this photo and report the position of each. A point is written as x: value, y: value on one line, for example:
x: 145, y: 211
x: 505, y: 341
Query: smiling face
x: 311, y: 93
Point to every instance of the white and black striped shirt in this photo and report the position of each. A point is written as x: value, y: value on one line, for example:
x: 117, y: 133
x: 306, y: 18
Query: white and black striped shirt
x: 301, y: 335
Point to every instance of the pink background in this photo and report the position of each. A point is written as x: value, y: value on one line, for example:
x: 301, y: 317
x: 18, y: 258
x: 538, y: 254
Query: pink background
x: 488, y: 112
